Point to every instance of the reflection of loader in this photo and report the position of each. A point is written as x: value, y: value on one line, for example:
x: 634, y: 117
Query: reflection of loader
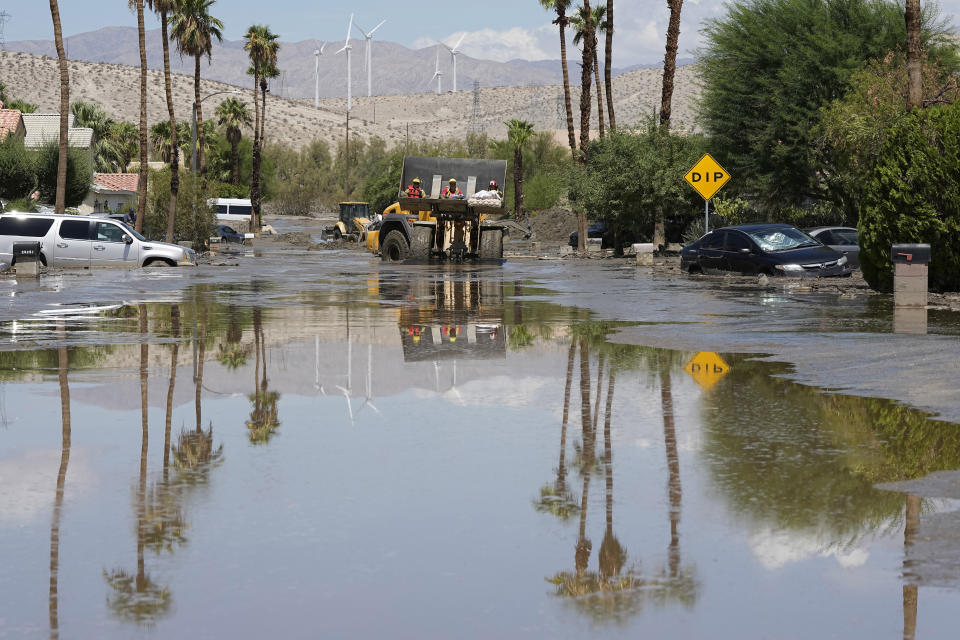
x: 437, y: 228
x: 461, y: 320
x: 354, y: 218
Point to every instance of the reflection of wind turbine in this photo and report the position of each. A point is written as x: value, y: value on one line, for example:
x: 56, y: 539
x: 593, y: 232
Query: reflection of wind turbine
x: 438, y: 74
x: 368, y: 398
x: 368, y: 62
x: 349, y: 388
x: 316, y: 74
x: 454, y: 52
x: 316, y: 366
x: 348, y: 48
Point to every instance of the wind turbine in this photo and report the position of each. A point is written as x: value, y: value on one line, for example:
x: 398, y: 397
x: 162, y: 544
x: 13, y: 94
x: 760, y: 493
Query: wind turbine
x: 438, y: 74
x: 316, y: 73
x: 454, y: 52
x: 348, y: 48
x: 369, y: 55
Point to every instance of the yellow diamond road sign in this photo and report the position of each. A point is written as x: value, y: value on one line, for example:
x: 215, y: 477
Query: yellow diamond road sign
x: 706, y: 368
x: 707, y: 176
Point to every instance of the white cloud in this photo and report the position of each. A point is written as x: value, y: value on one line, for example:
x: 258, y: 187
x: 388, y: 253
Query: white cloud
x: 29, y: 483
x: 776, y: 549
x: 490, y: 44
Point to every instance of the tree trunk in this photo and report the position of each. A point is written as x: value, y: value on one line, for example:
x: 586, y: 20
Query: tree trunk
x: 572, y: 139
x: 174, y: 349
x: 596, y: 76
x: 255, y: 172
x: 561, y: 465
x: 235, y: 154
x: 659, y: 230
x: 910, y: 591
x: 174, y: 145
x: 61, y: 198
x: 608, y: 62
x: 142, y: 181
x: 670, y: 62
x: 581, y: 231
x: 518, y: 183
x: 54, y: 591
x: 201, y: 160
x: 586, y: 78
x: 582, y: 552
x: 914, y: 80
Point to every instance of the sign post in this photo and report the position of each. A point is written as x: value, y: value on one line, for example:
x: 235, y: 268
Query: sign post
x: 706, y: 177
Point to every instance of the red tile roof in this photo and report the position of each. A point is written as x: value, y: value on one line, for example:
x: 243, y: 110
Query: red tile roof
x: 117, y: 181
x: 9, y: 122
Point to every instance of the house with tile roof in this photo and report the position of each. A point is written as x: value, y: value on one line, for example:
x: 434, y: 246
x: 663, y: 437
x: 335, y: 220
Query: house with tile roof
x: 111, y: 193
x: 11, y: 122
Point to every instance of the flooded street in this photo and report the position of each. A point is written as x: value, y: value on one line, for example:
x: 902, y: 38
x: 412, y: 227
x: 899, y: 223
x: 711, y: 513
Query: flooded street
x: 311, y: 444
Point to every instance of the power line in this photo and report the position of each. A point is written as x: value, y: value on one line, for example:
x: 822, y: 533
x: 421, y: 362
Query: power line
x: 476, y: 122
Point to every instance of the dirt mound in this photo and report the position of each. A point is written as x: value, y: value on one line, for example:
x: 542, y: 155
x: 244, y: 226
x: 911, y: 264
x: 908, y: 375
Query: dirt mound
x: 295, y: 238
x: 552, y: 225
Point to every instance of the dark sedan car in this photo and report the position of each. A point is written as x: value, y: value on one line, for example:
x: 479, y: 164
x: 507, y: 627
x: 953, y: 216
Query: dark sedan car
x: 228, y: 234
x: 842, y: 239
x: 596, y: 230
x: 771, y: 249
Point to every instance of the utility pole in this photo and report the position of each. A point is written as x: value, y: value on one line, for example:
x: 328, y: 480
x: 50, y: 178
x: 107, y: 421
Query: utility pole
x: 476, y: 125
x: 4, y: 18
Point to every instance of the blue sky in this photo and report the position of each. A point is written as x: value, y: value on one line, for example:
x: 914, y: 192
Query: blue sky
x: 496, y: 29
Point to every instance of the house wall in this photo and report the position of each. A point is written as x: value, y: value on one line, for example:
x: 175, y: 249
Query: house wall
x: 95, y: 202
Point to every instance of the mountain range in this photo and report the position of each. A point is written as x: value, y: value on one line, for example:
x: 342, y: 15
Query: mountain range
x: 397, y: 69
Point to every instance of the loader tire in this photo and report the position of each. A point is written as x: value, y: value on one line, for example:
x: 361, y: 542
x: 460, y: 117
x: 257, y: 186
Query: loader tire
x: 394, y: 247
x: 491, y: 244
x: 421, y: 242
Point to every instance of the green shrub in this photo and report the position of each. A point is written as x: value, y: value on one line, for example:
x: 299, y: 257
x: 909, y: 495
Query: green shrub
x: 79, y: 174
x: 23, y: 205
x: 542, y: 191
x: 194, y: 220
x: 17, y: 174
x: 913, y: 195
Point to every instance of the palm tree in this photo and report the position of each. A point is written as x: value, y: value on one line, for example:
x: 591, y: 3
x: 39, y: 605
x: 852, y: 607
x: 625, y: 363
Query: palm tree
x: 142, y: 182
x: 674, y: 488
x: 579, y: 23
x: 670, y: 61
x: 518, y: 132
x: 161, y: 141
x: 194, y: 29
x: 556, y: 498
x: 91, y: 116
x: 165, y: 8
x: 586, y: 77
x: 608, y: 63
x: 174, y: 348
x: 233, y: 114
x: 262, y: 46
x: 124, y: 144
x: 61, y: 198
x: 560, y: 7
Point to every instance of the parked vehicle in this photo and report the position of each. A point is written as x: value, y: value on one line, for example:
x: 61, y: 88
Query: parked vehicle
x: 771, y: 249
x: 83, y: 241
x: 353, y: 221
x: 228, y: 234
x: 842, y: 239
x: 596, y: 230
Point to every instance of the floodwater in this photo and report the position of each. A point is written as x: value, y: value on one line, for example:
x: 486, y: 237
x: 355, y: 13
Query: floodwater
x: 325, y: 447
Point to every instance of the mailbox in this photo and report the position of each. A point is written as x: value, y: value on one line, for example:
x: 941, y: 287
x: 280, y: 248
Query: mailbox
x: 26, y: 252
x: 910, y: 253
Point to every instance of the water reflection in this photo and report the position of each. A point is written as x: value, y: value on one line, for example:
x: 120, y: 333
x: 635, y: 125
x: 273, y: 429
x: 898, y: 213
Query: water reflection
x: 786, y: 464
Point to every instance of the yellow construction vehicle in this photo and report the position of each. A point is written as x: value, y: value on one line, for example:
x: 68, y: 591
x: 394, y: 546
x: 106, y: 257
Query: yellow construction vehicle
x: 353, y: 222
x: 436, y: 228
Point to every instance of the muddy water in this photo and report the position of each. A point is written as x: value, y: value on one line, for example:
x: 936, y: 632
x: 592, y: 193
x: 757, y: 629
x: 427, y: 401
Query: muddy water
x: 419, y: 453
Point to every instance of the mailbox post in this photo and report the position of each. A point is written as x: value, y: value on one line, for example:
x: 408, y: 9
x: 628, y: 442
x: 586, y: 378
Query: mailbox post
x: 910, y: 274
x: 26, y: 259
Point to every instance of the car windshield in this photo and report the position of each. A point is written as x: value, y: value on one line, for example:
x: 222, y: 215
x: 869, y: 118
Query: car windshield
x: 227, y: 229
x: 782, y: 239
x: 133, y: 232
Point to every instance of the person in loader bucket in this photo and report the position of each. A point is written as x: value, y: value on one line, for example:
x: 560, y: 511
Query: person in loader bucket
x: 452, y: 191
x: 414, y: 190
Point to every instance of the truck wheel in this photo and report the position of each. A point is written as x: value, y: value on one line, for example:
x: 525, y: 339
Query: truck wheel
x: 491, y: 244
x: 336, y: 233
x: 394, y: 247
x: 421, y: 242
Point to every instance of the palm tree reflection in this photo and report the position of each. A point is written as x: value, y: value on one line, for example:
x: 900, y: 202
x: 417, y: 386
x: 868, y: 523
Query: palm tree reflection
x: 264, y: 418
x: 136, y: 597
x: 54, y: 595
x: 556, y: 498
x: 911, y: 593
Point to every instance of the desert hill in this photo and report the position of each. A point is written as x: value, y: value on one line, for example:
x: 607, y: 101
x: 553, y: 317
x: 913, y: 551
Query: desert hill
x: 397, y: 69
x: 115, y: 87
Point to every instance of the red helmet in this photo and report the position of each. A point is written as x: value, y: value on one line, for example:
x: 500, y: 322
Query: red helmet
x: 493, y: 184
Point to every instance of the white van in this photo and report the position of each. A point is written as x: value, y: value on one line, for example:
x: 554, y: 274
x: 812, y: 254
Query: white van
x: 84, y: 241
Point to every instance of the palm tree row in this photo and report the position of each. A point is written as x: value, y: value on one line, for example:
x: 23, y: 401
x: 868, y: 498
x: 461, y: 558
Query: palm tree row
x: 262, y: 47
